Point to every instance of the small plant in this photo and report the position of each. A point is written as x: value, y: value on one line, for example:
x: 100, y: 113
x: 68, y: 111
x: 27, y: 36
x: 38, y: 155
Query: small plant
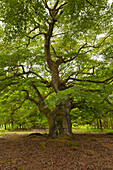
x: 90, y: 153
x: 74, y: 148
x: 2, y: 132
x: 93, y: 139
x: 72, y: 145
x: 19, y: 168
x: 43, y: 145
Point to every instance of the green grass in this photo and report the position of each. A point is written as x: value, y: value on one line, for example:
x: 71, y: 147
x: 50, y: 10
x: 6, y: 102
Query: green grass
x: 89, y: 129
x: 11, y: 132
x: 78, y: 129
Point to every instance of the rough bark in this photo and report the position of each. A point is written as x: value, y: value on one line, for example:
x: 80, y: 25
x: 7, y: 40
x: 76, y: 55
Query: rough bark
x: 60, y: 121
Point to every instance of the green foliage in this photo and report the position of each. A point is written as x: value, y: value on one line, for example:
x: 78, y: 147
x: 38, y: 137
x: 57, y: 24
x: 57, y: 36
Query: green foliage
x: 82, y: 36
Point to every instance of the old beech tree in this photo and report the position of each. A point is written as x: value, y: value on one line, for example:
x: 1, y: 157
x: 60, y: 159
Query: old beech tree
x: 55, y: 51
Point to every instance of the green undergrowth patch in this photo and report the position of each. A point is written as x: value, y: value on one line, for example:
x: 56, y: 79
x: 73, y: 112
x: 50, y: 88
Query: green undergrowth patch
x: 67, y: 141
x: 89, y: 129
x: 93, y: 140
x: 43, y: 145
x: 72, y: 145
x: 90, y: 152
x: 44, y: 142
x: 19, y: 168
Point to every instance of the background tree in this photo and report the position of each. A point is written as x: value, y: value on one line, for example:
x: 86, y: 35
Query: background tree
x: 58, y: 55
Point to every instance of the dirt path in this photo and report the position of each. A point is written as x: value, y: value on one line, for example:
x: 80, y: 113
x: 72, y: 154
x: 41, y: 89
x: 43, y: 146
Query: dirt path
x: 85, y: 152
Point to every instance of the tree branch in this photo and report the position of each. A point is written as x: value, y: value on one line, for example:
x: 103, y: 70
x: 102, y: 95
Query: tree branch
x: 37, y: 91
x: 31, y: 99
x: 109, y: 102
x: 92, y: 81
x: 89, y: 3
x: 45, y: 4
x: 92, y: 46
x: 24, y: 73
x: 79, y: 72
x: 61, y: 6
x: 20, y: 105
x: 58, y: 34
x: 56, y: 4
x: 31, y: 38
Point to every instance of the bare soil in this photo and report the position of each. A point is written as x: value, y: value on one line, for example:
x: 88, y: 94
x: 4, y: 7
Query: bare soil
x: 37, y: 152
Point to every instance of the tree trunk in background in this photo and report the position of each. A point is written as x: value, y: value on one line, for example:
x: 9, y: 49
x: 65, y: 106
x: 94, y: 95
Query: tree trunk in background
x: 111, y: 123
x: 106, y: 124
x: 97, y: 124
x: 60, y: 121
x: 101, y: 127
x: 5, y: 126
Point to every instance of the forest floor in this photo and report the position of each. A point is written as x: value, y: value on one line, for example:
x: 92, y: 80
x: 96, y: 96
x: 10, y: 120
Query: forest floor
x: 37, y: 152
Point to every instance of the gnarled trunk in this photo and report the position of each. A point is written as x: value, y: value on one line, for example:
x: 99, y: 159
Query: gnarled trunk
x: 60, y: 121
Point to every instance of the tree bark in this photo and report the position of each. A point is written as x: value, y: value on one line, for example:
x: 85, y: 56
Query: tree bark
x: 12, y: 119
x: 98, y: 124
x: 101, y: 126
x: 5, y: 126
x: 60, y: 121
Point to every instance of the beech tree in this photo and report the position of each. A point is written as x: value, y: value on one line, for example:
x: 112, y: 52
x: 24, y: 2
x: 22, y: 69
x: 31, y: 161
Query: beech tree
x: 58, y: 54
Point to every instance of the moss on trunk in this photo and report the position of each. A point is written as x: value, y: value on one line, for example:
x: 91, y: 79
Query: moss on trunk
x: 60, y: 121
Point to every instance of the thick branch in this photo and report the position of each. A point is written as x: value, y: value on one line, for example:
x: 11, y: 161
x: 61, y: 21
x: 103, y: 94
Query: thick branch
x: 40, y: 104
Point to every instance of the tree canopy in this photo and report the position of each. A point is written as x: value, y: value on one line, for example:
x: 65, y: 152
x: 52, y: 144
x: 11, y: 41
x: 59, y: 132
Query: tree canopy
x: 59, y: 55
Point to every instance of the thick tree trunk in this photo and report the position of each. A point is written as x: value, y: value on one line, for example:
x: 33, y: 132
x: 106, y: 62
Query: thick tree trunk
x: 60, y: 121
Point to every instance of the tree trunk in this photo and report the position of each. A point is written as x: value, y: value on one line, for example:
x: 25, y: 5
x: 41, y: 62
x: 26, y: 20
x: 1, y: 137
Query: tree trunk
x: 101, y: 126
x: 111, y: 123
x: 97, y: 124
x: 60, y: 121
x: 5, y: 125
